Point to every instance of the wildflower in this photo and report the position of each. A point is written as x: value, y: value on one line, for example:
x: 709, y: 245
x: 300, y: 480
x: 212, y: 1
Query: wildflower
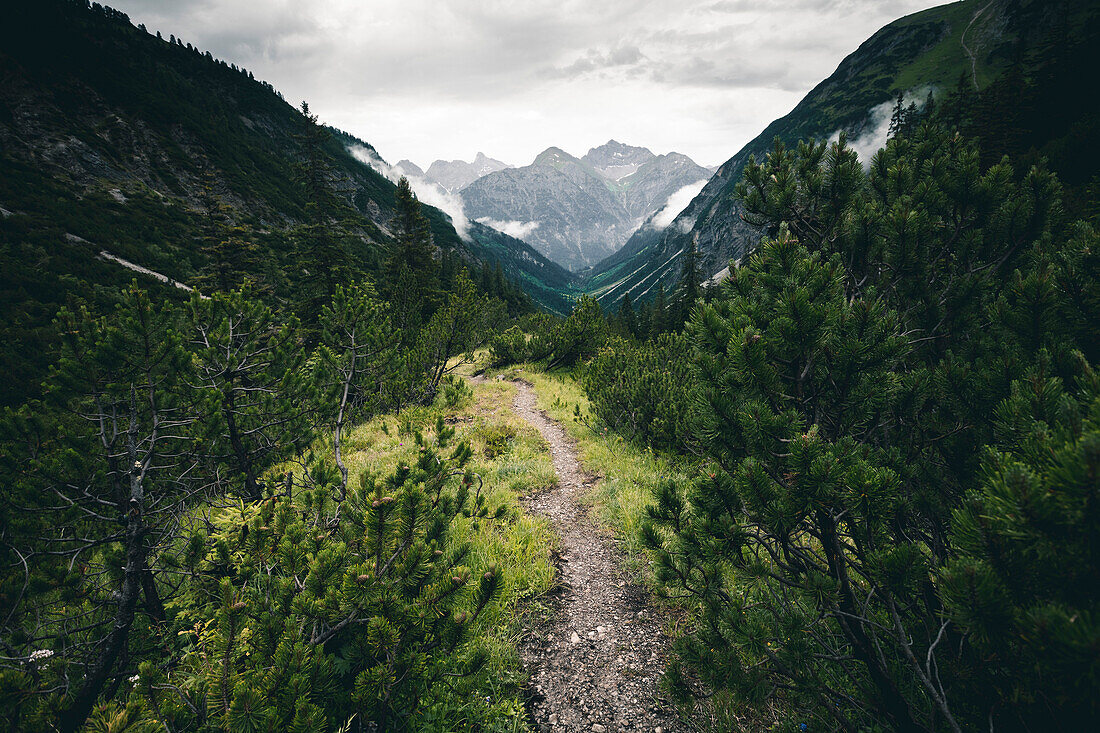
x: 41, y: 654
x: 135, y: 678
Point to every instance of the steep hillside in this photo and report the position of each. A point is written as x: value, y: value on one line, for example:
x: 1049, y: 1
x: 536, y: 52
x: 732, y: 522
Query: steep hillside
x: 972, y: 43
x: 548, y: 283
x: 579, y: 210
x: 109, y: 140
x: 649, y: 188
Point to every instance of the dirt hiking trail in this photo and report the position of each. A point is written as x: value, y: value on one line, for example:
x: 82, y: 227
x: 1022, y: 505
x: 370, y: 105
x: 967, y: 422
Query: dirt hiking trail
x: 596, y: 663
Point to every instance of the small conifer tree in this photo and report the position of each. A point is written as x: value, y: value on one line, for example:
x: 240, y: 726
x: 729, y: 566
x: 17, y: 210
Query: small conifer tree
x: 251, y: 386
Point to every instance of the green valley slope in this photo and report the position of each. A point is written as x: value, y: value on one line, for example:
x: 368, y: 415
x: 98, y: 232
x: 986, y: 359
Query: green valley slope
x: 107, y: 134
x: 974, y: 41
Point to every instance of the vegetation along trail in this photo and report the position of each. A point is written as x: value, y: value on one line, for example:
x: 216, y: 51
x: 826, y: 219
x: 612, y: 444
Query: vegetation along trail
x: 596, y: 664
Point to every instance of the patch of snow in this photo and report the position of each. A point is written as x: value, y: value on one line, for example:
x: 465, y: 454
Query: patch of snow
x: 655, y: 272
x: 619, y: 172
x: 638, y: 284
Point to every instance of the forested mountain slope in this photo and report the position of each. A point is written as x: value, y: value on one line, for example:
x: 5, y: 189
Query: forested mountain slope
x: 1026, y: 56
x: 112, y: 139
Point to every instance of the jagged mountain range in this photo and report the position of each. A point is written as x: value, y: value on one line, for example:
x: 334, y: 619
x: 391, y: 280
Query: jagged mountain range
x: 576, y: 211
x: 105, y: 131
x: 453, y: 175
x: 975, y: 40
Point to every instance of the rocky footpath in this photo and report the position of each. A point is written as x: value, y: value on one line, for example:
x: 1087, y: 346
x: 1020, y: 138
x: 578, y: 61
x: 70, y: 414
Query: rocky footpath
x: 596, y: 662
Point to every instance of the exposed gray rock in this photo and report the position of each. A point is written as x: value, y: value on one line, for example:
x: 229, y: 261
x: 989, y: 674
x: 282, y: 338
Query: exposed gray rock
x: 584, y: 208
x: 455, y: 175
x: 409, y: 168
x: 615, y: 160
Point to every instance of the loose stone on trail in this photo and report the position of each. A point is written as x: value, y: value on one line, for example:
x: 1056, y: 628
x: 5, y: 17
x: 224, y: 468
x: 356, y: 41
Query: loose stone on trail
x: 612, y: 676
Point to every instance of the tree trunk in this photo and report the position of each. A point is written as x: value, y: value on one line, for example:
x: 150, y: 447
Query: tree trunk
x: 889, y: 700
x: 73, y: 717
x: 252, y: 489
x: 154, y: 605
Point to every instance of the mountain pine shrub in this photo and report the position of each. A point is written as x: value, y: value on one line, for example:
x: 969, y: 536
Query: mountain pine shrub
x: 855, y: 549
x: 191, y: 555
x: 1025, y: 581
x: 252, y: 386
x: 554, y: 342
x: 645, y: 390
x: 308, y: 613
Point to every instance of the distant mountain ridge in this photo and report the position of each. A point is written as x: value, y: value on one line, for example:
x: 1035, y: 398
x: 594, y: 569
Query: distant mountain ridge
x: 409, y: 168
x: 579, y: 210
x: 910, y: 55
x: 453, y: 175
x: 615, y: 160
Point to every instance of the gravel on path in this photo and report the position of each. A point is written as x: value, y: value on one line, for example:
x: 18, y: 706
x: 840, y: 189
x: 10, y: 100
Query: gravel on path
x: 596, y: 662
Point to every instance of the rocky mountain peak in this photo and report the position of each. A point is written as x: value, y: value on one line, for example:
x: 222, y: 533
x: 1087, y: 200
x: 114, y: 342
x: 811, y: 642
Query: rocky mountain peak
x: 455, y: 175
x: 614, y: 152
x: 616, y: 160
x: 410, y: 168
x: 582, y: 209
x: 552, y: 155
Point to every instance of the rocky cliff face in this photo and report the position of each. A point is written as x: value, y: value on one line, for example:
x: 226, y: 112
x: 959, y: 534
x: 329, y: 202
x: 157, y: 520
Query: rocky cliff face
x: 649, y: 188
x: 577, y: 211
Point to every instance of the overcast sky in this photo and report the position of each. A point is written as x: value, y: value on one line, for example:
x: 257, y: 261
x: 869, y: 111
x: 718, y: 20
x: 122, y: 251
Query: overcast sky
x: 428, y: 79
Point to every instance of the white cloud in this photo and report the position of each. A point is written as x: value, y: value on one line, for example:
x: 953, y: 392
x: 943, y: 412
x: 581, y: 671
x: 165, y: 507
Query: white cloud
x: 517, y: 229
x: 426, y: 191
x: 876, y: 128
x: 676, y: 203
x: 442, y: 79
x: 873, y: 137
